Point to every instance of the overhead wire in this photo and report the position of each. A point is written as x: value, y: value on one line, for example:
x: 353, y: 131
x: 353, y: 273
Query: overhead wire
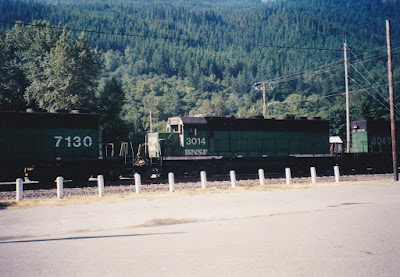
x: 332, y: 95
x: 364, y: 89
x: 290, y: 77
x: 302, y: 74
x: 370, y: 75
x: 331, y: 66
x: 178, y: 39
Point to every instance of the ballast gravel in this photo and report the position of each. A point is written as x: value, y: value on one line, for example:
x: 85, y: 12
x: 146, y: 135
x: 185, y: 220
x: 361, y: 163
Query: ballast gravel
x: 184, y: 184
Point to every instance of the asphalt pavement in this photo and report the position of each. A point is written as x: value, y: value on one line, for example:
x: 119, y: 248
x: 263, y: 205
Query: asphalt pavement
x: 348, y: 230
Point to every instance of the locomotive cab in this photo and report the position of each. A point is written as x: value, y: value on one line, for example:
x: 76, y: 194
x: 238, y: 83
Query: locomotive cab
x: 193, y: 134
x: 371, y: 136
x: 185, y: 136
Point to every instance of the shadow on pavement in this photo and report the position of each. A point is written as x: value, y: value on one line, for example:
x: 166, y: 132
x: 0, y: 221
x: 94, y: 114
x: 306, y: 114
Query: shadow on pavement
x: 87, y: 237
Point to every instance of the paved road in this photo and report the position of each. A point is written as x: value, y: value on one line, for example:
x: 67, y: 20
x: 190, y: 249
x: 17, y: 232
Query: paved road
x: 336, y: 231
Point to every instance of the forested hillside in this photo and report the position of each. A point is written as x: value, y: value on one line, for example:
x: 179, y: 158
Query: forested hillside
x: 178, y: 58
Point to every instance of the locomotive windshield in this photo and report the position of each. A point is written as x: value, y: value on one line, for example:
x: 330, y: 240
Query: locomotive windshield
x: 173, y: 129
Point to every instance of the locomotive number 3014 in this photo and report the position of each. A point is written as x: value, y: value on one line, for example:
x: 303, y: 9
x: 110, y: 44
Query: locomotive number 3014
x: 195, y: 141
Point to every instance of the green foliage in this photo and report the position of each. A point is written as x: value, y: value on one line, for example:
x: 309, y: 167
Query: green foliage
x: 180, y: 58
x: 12, y: 79
x: 109, y: 105
x: 56, y: 72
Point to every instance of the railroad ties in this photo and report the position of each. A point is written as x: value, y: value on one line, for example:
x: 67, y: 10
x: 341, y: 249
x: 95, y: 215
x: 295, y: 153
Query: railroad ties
x: 171, y: 181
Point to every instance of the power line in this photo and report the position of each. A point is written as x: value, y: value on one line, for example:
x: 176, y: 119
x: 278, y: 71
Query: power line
x: 320, y: 69
x: 370, y: 75
x: 305, y: 73
x: 179, y: 39
x: 333, y: 95
x: 364, y: 89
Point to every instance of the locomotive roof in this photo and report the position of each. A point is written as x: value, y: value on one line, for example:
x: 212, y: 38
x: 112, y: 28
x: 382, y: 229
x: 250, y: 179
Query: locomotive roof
x: 187, y: 120
x: 253, y: 124
x: 74, y: 120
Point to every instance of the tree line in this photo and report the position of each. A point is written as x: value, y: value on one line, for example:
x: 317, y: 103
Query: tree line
x: 183, y: 58
x: 43, y: 67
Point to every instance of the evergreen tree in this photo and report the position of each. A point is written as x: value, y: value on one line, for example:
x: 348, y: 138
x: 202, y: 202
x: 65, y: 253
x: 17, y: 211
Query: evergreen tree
x: 109, y: 105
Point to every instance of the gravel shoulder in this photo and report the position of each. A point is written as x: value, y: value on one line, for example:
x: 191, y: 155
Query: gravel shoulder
x: 115, y: 191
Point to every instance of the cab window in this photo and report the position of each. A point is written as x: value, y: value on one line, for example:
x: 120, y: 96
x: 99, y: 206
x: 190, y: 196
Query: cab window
x: 193, y: 131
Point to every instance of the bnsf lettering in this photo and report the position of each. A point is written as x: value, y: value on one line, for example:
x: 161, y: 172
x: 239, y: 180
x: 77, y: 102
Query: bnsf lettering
x: 195, y: 152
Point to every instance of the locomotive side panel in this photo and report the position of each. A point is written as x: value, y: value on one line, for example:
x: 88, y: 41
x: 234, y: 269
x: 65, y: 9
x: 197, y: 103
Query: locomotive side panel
x: 53, y: 144
x: 41, y: 143
x: 263, y: 138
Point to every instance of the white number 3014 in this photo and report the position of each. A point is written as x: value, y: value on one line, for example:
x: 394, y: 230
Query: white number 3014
x: 73, y: 141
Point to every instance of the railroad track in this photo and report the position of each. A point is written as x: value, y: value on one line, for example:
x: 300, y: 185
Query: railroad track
x: 161, y: 185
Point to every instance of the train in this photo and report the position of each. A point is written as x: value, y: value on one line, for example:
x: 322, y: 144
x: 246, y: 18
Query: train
x: 220, y: 144
x: 42, y: 145
x: 371, y: 146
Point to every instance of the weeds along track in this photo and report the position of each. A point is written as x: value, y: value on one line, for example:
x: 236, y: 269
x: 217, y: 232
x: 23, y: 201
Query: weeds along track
x: 182, y: 184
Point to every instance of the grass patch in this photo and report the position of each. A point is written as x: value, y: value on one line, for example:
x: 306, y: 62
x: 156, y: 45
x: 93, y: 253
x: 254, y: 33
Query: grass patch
x: 246, y: 185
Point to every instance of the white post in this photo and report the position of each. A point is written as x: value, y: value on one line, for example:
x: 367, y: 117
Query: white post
x: 261, y: 176
x: 171, y: 180
x: 100, y: 184
x: 337, y: 173
x: 60, y: 187
x: 19, y: 189
x: 313, y: 175
x: 203, y: 178
x: 138, y: 183
x: 233, y: 178
x: 288, y: 176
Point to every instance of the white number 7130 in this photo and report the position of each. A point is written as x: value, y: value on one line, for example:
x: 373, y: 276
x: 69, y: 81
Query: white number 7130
x: 75, y: 141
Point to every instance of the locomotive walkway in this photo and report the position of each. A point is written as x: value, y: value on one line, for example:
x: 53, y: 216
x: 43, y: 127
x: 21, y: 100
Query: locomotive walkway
x: 331, y: 231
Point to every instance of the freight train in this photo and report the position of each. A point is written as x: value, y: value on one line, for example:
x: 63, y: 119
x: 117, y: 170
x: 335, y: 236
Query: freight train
x: 220, y: 144
x: 43, y: 145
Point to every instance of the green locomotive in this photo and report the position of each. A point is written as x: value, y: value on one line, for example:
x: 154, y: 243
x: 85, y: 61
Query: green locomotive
x: 372, y: 136
x: 371, y: 148
x: 219, y: 144
x: 42, y: 145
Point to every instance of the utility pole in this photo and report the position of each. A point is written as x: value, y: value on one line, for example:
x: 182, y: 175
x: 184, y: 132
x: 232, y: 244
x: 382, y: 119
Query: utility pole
x: 392, y: 121
x: 151, y: 123
x: 347, y: 100
x: 263, y: 87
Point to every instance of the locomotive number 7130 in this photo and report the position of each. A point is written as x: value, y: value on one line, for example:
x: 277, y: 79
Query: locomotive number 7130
x: 76, y: 141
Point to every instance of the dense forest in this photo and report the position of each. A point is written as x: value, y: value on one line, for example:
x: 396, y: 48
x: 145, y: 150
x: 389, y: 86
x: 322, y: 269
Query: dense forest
x: 125, y: 58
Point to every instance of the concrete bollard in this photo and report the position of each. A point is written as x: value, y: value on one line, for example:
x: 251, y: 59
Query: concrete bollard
x: 233, y: 178
x: 337, y: 173
x: 138, y: 183
x: 313, y: 175
x: 261, y: 176
x: 288, y: 176
x: 171, y: 181
x: 60, y: 187
x: 100, y: 184
x: 19, y: 186
x: 203, y: 178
